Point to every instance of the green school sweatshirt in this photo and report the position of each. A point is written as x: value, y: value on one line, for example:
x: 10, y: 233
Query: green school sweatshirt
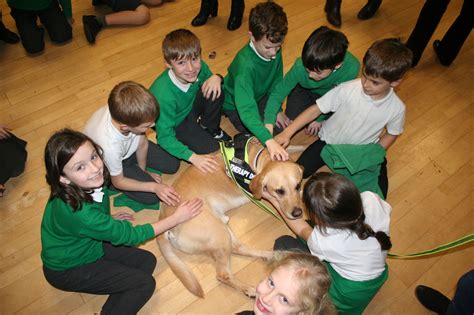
x: 74, y: 238
x: 248, y: 80
x: 298, y: 75
x: 359, y: 163
x: 175, y: 105
x: 36, y: 5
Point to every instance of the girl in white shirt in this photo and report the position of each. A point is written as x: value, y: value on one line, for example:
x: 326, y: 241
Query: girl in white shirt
x: 343, y: 236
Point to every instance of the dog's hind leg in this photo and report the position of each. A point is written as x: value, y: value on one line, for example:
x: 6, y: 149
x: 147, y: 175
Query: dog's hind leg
x: 224, y: 275
x: 240, y: 249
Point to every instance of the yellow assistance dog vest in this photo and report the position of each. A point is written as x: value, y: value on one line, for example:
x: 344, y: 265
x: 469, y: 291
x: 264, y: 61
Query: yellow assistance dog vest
x: 239, y: 161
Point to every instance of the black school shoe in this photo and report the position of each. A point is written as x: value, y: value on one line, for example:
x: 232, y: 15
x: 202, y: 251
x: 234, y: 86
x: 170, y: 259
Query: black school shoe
x: 8, y: 36
x: 91, y: 27
x: 369, y: 9
x: 220, y: 135
x: 437, y: 49
x: 432, y: 299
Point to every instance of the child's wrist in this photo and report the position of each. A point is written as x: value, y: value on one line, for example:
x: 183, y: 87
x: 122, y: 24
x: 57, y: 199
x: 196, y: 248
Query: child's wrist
x: 220, y: 77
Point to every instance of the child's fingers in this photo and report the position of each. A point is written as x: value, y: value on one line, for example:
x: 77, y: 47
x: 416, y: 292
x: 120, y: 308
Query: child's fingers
x: 123, y: 216
x: 174, y: 196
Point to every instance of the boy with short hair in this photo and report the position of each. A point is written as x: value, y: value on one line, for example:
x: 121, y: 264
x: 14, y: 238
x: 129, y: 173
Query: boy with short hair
x: 324, y: 64
x: 361, y: 108
x: 191, y: 99
x: 119, y: 128
x: 126, y: 12
x: 254, y: 72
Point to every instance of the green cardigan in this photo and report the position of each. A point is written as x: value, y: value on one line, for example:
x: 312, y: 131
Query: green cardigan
x: 248, y: 80
x: 37, y: 5
x: 71, y: 239
x: 298, y: 75
x: 175, y: 106
x: 359, y: 163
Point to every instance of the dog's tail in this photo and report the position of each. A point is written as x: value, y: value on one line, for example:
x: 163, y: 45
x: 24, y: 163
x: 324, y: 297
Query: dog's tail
x: 179, y: 268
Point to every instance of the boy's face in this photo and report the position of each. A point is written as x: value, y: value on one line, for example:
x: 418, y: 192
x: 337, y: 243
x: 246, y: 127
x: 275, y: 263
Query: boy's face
x: 266, y: 48
x: 141, y: 129
x: 376, y: 87
x: 186, y: 70
x: 318, y: 75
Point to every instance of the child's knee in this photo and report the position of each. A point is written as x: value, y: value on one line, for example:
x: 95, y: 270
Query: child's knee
x: 143, y: 14
x: 33, y: 47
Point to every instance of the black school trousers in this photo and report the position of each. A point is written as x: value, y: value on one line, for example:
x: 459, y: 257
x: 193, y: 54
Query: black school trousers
x: 32, y: 36
x: 157, y: 159
x: 124, y: 273
x: 194, y: 130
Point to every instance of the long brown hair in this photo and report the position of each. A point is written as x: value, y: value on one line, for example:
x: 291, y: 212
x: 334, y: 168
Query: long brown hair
x: 334, y: 201
x: 61, y: 147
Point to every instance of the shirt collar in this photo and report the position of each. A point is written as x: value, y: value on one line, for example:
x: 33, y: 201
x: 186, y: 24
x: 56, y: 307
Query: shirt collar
x: 97, y: 194
x: 179, y: 84
x: 260, y: 56
x: 379, y: 102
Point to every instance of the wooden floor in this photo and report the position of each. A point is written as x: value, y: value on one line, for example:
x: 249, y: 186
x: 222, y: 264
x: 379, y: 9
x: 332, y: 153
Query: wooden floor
x: 431, y: 165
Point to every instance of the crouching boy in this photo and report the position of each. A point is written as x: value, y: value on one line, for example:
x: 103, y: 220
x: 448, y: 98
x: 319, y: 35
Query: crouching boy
x: 190, y: 98
x: 119, y: 128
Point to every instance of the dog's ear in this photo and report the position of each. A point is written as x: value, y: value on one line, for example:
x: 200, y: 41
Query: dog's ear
x: 256, y: 186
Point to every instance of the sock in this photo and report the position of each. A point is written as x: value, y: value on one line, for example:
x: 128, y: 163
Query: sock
x: 101, y: 20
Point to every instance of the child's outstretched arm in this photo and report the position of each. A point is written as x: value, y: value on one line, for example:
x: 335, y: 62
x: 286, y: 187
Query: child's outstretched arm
x: 185, y: 211
x: 166, y: 193
x: 387, y: 140
x: 304, y: 118
x: 142, y: 154
x: 299, y: 226
x: 204, y: 162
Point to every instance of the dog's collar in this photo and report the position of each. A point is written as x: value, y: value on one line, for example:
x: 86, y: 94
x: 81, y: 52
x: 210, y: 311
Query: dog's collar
x: 257, y: 156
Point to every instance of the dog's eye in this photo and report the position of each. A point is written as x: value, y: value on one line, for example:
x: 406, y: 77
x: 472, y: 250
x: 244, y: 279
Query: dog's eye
x: 280, y: 191
x: 298, y: 187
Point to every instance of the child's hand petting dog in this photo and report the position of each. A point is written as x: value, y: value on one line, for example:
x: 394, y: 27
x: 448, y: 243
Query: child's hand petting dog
x: 123, y: 216
x: 204, y: 162
x: 156, y: 177
x: 312, y: 128
x: 276, y: 151
x: 283, y: 139
x: 188, y: 210
x: 212, y: 87
x: 167, y: 194
x: 282, y: 120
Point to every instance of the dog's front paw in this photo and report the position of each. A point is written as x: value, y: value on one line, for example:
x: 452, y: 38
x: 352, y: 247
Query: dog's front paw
x: 250, y: 292
x: 225, y: 219
x: 267, y: 255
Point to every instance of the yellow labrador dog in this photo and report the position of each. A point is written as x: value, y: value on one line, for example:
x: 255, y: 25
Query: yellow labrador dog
x: 208, y: 233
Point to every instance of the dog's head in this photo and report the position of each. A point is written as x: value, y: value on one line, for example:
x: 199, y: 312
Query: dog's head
x: 280, y: 184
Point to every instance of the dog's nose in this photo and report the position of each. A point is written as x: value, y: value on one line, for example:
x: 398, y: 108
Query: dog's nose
x: 297, y: 212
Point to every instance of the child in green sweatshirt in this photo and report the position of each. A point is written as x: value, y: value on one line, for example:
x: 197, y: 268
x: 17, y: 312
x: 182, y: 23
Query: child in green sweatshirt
x: 254, y: 72
x: 324, y: 64
x: 84, y: 247
x: 190, y: 99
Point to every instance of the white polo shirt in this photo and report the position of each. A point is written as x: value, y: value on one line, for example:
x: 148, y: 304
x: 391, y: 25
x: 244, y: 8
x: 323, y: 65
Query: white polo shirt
x: 357, y: 118
x: 117, y: 146
x: 351, y: 257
